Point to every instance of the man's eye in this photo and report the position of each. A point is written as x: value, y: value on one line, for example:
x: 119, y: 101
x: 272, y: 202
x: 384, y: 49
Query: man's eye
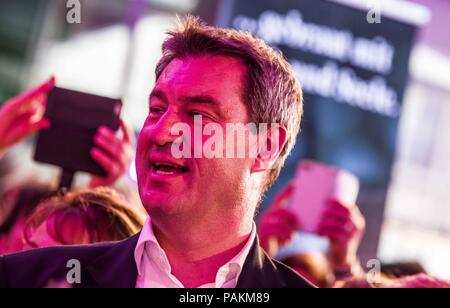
x: 156, y: 110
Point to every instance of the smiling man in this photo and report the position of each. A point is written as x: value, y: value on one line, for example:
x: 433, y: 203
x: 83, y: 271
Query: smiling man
x: 201, y: 231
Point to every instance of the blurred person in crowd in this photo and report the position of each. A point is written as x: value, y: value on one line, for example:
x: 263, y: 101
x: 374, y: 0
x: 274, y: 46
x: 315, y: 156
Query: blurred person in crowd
x: 343, y: 225
x: 81, y: 217
x: 21, y: 117
x: 16, y: 205
x: 201, y: 231
x: 312, y: 265
x: 401, y: 269
x: 39, y: 217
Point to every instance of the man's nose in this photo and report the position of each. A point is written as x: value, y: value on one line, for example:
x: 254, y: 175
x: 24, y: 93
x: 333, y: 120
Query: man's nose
x: 160, y: 133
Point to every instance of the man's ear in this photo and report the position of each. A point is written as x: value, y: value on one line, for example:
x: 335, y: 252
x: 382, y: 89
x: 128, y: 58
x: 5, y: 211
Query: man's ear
x: 271, y: 142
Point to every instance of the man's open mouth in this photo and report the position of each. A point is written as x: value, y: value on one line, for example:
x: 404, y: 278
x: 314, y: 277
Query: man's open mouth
x: 168, y: 169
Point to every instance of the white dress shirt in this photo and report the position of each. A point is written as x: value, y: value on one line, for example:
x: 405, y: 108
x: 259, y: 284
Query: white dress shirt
x: 154, y: 270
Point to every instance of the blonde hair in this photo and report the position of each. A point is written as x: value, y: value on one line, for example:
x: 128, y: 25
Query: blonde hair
x: 101, y: 213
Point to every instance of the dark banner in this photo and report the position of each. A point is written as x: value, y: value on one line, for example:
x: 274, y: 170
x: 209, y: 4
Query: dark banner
x: 353, y: 74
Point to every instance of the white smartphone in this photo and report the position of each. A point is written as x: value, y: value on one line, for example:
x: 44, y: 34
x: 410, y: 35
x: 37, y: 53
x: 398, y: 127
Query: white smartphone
x: 315, y: 184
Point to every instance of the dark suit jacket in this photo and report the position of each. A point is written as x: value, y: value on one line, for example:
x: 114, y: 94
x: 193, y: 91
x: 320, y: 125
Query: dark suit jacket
x: 112, y: 265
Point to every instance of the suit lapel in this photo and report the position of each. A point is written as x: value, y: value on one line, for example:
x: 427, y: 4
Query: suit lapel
x: 116, y: 268
x: 259, y: 271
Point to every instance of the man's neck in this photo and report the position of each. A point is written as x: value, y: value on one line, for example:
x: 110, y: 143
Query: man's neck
x: 196, y: 254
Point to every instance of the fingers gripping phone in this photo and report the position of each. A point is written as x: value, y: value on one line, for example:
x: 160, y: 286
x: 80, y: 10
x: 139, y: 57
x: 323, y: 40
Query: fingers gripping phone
x: 75, y: 118
x: 314, y: 185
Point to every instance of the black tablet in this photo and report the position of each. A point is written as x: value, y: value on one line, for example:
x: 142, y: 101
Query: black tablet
x: 75, y: 118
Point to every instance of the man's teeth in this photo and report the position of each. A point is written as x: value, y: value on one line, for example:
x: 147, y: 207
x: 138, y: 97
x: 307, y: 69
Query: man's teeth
x: 164, y: 172
x: 168, y: 168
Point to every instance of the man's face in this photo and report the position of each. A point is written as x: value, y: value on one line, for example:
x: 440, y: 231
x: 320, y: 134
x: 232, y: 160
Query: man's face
x: 210, y: 86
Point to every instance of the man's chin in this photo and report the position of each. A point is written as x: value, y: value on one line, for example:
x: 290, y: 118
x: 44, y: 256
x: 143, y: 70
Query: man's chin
x: 158, y: 204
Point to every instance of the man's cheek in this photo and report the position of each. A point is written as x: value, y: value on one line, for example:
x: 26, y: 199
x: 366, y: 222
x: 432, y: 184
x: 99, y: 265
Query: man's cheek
x: 141, y: 149
x: 141, y: 169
